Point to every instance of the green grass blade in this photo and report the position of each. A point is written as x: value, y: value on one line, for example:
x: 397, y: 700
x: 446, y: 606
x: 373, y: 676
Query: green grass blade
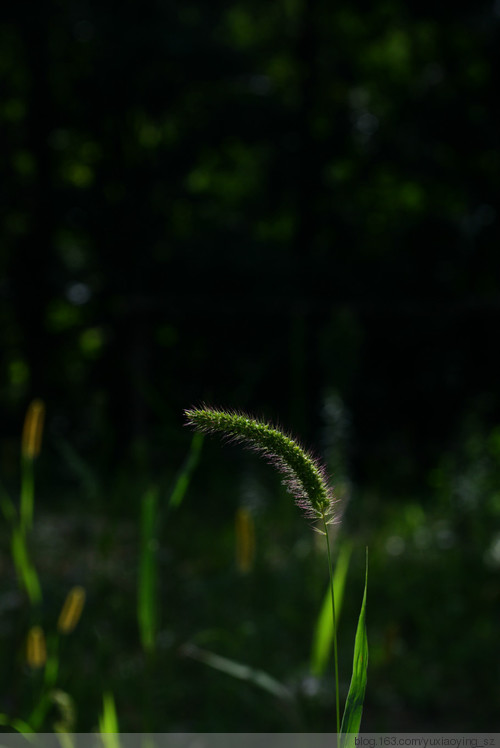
x: 52, y: 665
x: 108, y: 722
x: 16, y: 724
x: 354, y: 704
x: 323, y: 634
x: 26, y: 573
x: 39, y: 713
x: 239, y: 670
x: 147, y: 609
x: 182, y: 482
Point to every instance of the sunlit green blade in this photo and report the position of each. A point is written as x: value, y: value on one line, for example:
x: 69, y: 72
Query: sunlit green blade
x: 147, y: 593
x: 15, y: 724
x: 354, y: 704
x: 184, y: 477
x: 323, y: 634
x: 108, y: 722
x: 238, y: 670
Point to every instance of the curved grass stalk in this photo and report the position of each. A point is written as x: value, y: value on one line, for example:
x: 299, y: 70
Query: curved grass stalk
x: 304, y: 477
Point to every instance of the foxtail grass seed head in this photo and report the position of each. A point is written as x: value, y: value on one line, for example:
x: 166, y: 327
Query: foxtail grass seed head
x: 71, y: 610
x: 304, y: 476
x: 36, y: 649
x: 33, y: 429
x: 245, y: 540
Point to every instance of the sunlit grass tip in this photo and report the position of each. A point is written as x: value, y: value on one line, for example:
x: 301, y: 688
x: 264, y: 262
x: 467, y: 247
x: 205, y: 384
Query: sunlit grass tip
x: 304, y: 475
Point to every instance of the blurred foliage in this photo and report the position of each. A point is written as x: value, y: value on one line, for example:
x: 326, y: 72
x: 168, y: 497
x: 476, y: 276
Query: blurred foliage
x: 432, y: 611
x: 249, y: 203
x: 287, y: 207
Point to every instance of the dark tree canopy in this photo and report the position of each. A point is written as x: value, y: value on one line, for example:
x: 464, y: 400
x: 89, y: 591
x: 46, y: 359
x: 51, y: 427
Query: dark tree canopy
x: 251, y: 202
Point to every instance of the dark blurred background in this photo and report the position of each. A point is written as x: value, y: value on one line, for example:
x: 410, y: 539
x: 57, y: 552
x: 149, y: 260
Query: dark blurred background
x: 288, y: 208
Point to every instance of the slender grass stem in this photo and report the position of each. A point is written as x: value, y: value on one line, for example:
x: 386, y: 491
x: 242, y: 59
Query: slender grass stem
x: 335, y: 650
x: 27, y: 494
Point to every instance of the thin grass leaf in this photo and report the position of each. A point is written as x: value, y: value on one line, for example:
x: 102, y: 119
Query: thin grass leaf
x: 184, y: 477
x: 16, y: 724
x: 355, y: 698
x: 147, y: 608
x: 239, y: 670
x: 52, y: 664
x: 323, y: 634
x: 37, y: 717
x: 26, y: 573
x: 108, y: 722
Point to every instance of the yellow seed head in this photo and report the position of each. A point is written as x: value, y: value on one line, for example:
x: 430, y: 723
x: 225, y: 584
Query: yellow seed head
x: 71, y: 610
x: 36, y: 649
x: 245, y: 540
x: 33, y: 429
